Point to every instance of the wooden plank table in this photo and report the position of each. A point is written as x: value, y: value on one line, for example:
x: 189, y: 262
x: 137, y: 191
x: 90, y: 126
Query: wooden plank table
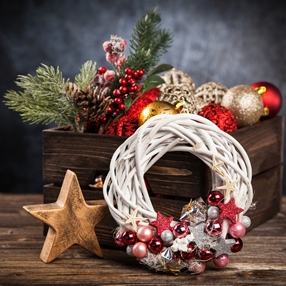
x: 262, y: 261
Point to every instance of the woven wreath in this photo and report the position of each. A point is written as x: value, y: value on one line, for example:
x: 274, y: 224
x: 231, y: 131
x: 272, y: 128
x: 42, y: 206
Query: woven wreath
x: 206, y: 231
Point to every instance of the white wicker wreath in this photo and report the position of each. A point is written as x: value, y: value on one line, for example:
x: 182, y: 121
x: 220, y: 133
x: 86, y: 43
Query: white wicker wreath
x: 206, y: 231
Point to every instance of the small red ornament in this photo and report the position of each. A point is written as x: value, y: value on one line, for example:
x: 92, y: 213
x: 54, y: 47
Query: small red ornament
x: 155, y: 245
x: 206, y: 254
x: 128, y: 237
x: 271, y: 97
x: 215, y: 197
x: 181, y: 230
x: 219, y: 115
x: 229, y: 210
x: 118, y: 240
x: 221, y: 261
x: 162, y: 223
x: 213, y: 227
x: 237, y: 246
x: 190, y: 252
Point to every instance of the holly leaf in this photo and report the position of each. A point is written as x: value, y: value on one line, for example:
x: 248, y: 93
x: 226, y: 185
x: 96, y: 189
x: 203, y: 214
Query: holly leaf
x: 160, y: 68
x: 153, y: 81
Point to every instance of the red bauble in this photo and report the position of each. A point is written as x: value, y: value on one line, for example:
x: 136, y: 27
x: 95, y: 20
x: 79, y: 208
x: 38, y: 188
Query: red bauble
x: 219, y: 115
x: 128, y: 237
x: 271, y: 97
x: 215, y: 197
x: 181, y: 230
x: 191, y: 252
x: 237, y: 246
x: 206, y: 254
x: 213, y: 227
x: 155, y: 245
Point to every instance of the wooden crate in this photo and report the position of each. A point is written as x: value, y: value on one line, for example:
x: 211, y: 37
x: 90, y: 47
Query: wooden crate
x: 174, y: 179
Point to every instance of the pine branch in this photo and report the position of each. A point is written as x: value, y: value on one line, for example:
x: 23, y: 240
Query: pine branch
x: 87, y: 72
x: 148, y: 42
x: 44, y: 99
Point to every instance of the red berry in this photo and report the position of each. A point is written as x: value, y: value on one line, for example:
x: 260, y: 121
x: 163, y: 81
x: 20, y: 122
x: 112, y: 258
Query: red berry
x: 123, y: 81
x: 103, y: 119
x: 131, y: 82
x: 131, y: 88
x: 121, y: 106
x: 101, y: 70
x: 128, y: 71
x: 118, y: 101
x: 109, y: 109
x: 116, y: 92
x: 123, y: 89
x: 128, y: 76
x: 135, y: 87
x: 140, y: 72
x: 135, y: 74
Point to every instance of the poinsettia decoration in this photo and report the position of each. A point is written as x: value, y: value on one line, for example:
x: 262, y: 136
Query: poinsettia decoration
x: 98, y: 96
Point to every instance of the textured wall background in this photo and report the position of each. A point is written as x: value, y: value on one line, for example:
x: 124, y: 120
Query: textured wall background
x: 231, y: 42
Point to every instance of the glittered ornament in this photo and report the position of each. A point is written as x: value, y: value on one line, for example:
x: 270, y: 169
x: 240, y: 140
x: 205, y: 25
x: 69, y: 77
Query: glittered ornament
x: 271, y: 97
x: 155, y: 108
x: 181, y: 97
x: 244, y: 103
x: 211, y: 92
x: 220, y: 116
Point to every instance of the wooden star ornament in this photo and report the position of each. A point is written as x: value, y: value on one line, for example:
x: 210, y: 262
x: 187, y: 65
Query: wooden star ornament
x: 71, y: 220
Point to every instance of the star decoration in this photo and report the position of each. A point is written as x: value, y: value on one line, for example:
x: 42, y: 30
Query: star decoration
x: 201, y: 238
x: 229, y: 187
x: 71, y: 220
x: 162, y: 223
x: 229, y: 210
x: 223, y: 246
x: 133, y: 219
x: 216, y: 166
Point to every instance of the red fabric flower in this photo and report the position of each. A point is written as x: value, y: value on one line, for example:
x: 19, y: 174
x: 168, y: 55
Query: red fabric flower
x: 219, y: 115
x: 127, y: 124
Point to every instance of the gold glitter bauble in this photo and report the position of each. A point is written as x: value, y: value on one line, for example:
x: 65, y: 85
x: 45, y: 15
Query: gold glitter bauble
x: 211, y: 92
x: 245, y: 104
x: 155, y: 108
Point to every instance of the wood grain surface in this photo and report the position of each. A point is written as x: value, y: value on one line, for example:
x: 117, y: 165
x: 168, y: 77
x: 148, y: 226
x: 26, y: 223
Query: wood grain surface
x: 262, y: 261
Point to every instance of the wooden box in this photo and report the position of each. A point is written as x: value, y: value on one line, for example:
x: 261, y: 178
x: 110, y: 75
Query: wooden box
x: 174, y: 179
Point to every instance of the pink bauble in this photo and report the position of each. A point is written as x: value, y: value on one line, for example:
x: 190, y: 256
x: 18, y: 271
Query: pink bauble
x: 237, y: 230
x: 221, y: 261
x: 145, y: 233
x: 199, y: 267
x: 139, y: 249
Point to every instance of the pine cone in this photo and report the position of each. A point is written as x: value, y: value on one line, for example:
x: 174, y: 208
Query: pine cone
x: 92, y: 103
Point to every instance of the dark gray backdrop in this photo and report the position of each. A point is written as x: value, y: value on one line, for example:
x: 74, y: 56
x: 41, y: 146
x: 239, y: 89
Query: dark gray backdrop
x: 231, y: 42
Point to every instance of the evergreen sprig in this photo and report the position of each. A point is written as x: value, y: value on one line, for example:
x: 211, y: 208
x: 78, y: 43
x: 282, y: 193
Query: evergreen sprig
x: 44, y: 98
x: 148, y: 42
x: 86, y: 75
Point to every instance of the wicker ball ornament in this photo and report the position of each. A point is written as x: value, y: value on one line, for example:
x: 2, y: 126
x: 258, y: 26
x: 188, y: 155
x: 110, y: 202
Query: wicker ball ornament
x: 189, y: 241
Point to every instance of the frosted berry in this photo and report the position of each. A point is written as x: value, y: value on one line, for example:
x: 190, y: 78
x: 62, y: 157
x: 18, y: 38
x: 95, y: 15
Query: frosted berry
x: 101, y: 70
